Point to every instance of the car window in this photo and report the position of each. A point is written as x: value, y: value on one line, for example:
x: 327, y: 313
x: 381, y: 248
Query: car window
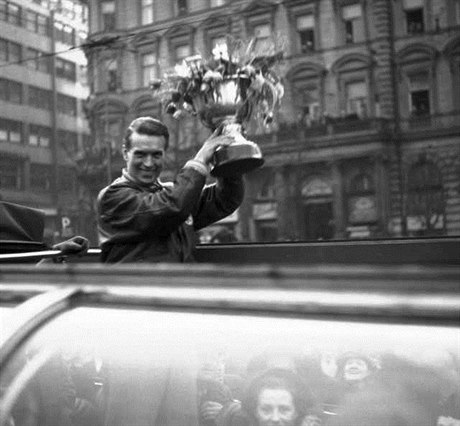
x: 94, y: 366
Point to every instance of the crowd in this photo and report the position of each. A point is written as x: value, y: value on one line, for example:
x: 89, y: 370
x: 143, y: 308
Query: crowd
x: 358, y: 391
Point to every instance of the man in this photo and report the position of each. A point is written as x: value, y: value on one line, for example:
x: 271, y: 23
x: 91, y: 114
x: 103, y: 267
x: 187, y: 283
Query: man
x: 141, y: 219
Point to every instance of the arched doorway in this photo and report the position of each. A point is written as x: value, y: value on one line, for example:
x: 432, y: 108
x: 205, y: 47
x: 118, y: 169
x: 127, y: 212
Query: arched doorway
x: 318, y: 216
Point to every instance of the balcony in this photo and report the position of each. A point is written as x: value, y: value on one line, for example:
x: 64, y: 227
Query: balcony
x: 329, y: 126
x: 432, y: 123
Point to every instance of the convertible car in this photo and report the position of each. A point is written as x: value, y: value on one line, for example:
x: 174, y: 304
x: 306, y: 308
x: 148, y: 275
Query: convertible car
x: 82, y: 344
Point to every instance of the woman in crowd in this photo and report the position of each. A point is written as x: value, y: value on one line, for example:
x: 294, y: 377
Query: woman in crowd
x: 277, y: 397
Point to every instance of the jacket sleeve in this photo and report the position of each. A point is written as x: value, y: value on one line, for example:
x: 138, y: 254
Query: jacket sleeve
x: 218, y: 201
x: 135, y: 212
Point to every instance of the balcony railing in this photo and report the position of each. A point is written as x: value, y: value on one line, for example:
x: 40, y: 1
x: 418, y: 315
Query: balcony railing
x: 434, y: 122
x: 329, y: 126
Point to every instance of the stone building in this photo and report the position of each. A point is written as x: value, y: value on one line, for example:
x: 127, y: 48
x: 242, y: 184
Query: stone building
x: 42, y: 122
x: 367, y: 141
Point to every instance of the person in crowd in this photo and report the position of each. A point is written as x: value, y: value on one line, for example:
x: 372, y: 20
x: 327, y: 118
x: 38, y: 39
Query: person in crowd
x: 275, y: 397
x: 49, y: 398
x: 141, y: 219
x: 403, y: 392
x: 213, y: 394
x: 354, y: 369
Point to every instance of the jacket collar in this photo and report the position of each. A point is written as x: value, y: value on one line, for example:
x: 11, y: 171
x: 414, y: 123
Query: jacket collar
x: 156, y: 185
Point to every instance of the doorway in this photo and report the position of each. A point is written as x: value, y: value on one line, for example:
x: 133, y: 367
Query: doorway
x: 319, y: 221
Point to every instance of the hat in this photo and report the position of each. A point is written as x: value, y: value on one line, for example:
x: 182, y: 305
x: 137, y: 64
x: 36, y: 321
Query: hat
x: 342, y: 360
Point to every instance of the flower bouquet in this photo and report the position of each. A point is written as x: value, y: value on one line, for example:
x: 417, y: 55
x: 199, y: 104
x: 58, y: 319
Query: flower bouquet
x: 226, y: 90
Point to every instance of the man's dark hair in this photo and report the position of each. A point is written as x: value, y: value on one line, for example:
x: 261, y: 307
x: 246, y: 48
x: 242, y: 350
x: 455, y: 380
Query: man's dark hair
x: 146, y: 126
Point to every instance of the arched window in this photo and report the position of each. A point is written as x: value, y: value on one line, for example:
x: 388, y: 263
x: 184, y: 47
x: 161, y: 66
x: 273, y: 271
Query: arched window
x: 307, y: 90
x: 361, y: 183
x: 362, y: 203
x: 425, y: 199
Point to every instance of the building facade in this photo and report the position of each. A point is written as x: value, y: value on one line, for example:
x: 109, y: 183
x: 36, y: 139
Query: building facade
x: 42, y: 122
x: 367, y: 140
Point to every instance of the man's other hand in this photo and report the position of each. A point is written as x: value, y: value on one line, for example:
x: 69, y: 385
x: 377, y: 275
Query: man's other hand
x: 75, y: 245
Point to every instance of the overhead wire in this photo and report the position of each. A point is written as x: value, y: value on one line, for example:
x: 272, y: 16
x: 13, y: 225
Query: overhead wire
x: 104, y: 41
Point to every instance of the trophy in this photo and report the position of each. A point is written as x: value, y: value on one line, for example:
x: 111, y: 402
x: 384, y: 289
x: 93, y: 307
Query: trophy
x: 225, y: 92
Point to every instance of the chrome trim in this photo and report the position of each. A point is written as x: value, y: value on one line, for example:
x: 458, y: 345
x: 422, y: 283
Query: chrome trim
x: 332, y: 277
x: 30, y: 315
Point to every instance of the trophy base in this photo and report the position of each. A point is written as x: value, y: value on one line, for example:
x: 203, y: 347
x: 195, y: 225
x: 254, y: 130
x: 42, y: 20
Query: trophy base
x: 236, y: 159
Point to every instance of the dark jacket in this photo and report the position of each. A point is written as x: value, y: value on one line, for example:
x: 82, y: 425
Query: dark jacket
x: 157, y: 223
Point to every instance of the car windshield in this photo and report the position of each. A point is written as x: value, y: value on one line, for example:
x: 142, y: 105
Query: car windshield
x: 94, y: 366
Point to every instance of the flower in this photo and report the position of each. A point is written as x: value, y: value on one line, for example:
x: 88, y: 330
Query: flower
x: 235, y: 80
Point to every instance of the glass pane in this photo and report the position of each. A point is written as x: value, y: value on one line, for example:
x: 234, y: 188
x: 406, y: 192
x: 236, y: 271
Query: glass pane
x: 351, y: 12
x: 135, y: 367
x: 305, y: 22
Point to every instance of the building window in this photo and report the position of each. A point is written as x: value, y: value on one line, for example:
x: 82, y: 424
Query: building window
x: 66, y: 105
x: 10, y: 131
x: 305, y: 29
x: 414, y: 11
x: 181, y: 7
x: 3, y: 50
x: 13, y: 14
x: 181, y: 52
x: 308, y: 101
x: 419, y: 94
x: 356, y: 99
x: 40, y: 177
x: 425, y: 200
x: 147, y: 15
x: 108, y: 15
x: 68, y: 141
x: 10, y: 51
x: 31, y: 21
x: 40, y: 98
x: 64, y: 33
x: 414, y: 21
x: 361, y: 200
x: 217, y: 3
x: 37, y: 22
x: 149, y: 71
x: 39, y: 136
x: 262, y: 34
x: 14, y: 52
x: 111, y: 68
x: 66, y: 69
x: 10, y: 173
x: 43, y: 25
x: 37, y: 60
x: 3, y: 11
x: 353, y: 23
x: 361, y: 184
x: 10, y: 91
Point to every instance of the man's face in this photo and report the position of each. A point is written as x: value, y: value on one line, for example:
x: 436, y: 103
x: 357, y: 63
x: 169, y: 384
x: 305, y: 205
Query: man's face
x: 355, y: 369
x: 275, y: 407
x: 144, y: 160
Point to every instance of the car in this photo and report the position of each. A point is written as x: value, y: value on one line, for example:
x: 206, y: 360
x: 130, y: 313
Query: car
x: 87, y: 344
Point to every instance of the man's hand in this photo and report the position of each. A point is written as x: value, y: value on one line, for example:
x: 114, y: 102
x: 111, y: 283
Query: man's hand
x: 209, y: 410
x: 216, y: 140
x: 75, y: 245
